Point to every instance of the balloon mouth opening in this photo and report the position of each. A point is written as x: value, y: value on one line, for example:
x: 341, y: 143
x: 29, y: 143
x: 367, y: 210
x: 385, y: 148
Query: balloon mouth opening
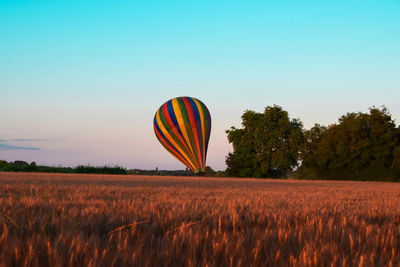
x: 199, y: 172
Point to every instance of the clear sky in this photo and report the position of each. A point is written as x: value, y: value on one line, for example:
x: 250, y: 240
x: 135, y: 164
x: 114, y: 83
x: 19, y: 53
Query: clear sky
x: 80, y: 81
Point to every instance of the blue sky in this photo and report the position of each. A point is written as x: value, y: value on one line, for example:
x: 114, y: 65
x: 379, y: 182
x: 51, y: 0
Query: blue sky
x: 80, y: 81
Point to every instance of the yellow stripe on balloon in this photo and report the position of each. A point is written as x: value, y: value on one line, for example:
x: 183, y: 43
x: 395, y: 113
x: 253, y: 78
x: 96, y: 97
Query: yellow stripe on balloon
x: 203, y: 128
x: 178, y: 115
x: 168, y: 136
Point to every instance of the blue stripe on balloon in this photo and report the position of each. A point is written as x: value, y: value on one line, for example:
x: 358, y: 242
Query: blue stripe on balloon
x: 208, y: 129
x: 195, y: 109
x: 171, y: 113
x: 155, y: 119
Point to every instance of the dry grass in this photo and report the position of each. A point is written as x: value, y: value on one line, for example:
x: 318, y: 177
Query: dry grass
x: 95, y: 220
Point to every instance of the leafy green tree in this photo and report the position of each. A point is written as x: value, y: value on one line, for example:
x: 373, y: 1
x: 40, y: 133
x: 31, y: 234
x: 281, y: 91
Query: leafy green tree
x: 312, y: 139
x: 360, y: 146
x: 209, y: 172
x: 268, y: 145
x: 3, y: 164
x: 31, y: 168
x: 20, y: 163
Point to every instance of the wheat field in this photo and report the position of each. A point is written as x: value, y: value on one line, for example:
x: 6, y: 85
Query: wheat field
x: 106, y: 220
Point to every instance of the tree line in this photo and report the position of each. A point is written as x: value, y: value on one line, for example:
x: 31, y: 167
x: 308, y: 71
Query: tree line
x: 361, y: 146
x: 22, y: 166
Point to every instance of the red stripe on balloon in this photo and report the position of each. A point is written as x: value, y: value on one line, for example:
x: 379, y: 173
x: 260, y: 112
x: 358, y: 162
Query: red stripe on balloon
x: 170, y: 149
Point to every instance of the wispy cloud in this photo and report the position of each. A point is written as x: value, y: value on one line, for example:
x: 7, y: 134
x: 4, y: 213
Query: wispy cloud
x: 29, y: 139
x: 10, y: 147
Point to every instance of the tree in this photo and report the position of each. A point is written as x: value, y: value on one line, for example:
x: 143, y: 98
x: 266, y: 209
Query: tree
x: 209, y: 172
x: 3, y: 163
x: 312, y: 139
x: 268, y: 145
x: 20, y: 163
x: 360, y: 146
x: 32, y: 167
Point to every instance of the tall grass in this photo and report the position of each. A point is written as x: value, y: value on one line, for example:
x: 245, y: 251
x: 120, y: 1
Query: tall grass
x: 105, y: 220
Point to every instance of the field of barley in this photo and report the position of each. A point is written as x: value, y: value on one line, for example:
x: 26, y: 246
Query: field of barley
x: 106, y: 220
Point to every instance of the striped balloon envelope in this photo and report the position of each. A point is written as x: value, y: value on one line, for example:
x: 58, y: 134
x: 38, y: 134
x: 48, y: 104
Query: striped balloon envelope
x: 183, y: 126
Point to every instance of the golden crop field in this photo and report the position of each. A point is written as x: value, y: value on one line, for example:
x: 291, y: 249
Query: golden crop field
x: 106, y: 220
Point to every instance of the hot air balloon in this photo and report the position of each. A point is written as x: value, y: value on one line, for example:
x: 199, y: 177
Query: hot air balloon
x: 183, y: 126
